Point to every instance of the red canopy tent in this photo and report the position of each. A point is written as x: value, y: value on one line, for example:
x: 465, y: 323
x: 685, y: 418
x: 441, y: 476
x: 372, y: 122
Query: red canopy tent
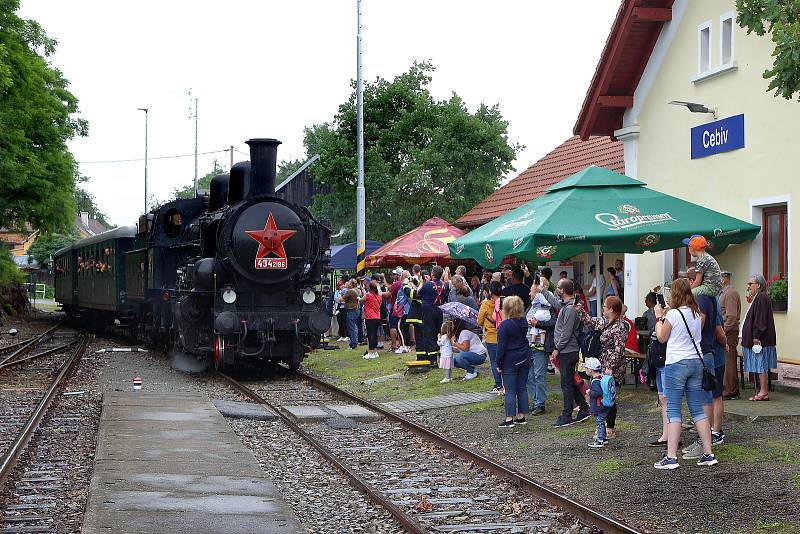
x: 424, y: 244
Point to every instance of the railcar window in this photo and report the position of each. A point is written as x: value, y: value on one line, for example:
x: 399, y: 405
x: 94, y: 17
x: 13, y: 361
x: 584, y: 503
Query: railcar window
x: 173, y: 222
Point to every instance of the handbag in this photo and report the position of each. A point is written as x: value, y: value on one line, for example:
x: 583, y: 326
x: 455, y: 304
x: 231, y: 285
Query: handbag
x: 709, y: 380
x: 656, y: 352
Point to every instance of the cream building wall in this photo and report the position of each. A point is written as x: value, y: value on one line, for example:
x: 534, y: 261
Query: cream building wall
x: 739, y: 183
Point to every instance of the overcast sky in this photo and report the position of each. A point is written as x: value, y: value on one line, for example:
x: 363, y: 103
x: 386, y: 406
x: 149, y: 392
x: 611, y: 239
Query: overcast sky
x: 270, y: 68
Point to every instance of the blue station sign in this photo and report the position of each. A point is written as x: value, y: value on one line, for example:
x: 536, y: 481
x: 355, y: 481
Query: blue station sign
x: 723, y: 135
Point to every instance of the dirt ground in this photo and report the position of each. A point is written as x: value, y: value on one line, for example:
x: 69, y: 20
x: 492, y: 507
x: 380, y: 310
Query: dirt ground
x: 754, y: 489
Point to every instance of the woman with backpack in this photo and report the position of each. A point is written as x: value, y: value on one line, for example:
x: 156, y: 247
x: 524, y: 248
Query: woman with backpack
x: 488, y: 319
x: 611, y: 331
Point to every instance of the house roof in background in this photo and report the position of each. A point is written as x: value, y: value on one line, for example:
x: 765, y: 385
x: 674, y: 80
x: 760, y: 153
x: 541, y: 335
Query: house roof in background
x: 93, y: 227
x: 570, y: 157
x: 625, y: 55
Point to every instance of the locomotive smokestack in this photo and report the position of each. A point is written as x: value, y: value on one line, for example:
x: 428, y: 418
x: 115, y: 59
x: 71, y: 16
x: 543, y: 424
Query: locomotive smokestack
x: 263, y: 166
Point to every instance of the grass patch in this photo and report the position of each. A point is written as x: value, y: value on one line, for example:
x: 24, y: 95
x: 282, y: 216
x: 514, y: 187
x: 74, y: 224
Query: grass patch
x: 483, y: 406
x: 740, y: 453
x: 796, y: 480
x: 573, y: 432
x: 780, y: 527
x: 788, y: 453
x: 606, y: 468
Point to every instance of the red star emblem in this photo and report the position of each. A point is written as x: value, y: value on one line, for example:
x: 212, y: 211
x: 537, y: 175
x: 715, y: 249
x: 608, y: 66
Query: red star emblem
x: 270, y: 240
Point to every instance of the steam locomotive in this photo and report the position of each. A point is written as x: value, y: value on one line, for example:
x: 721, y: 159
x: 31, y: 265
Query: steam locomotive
x: 235, y: 276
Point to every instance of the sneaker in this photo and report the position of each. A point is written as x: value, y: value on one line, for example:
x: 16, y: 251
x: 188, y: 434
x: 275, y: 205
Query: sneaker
x: 539, y: 410
x: 582, y: 416
x: 520, y: 421
x: 374, y: 356
x: 667, y: 463
x: 470, y: 376
x: 506, y: 424
x: 380, y: 345
x: 717, y: 438
x: 693, y: 452
x: 445, y: 380
x: 596, y: 444
x: 342, y: 339
x: 657, y: 443
x: 366, y: 356
x: 732, y: 396
x: 563, y: 420
x: 707, y: 459
x: 692, y: 446
x: 496, y: 390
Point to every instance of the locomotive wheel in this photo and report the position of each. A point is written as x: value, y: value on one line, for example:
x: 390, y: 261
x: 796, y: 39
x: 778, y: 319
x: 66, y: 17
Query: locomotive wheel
x: 224, y: 353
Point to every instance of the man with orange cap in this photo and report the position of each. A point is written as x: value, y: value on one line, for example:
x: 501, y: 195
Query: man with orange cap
x: 708, y: 276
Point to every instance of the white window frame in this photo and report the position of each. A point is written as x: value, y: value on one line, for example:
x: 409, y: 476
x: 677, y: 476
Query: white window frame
x: 730, y: 15
x: 700, y: 29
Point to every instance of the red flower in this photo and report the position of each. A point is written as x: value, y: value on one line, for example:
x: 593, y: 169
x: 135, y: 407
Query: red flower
x: 775, y: 277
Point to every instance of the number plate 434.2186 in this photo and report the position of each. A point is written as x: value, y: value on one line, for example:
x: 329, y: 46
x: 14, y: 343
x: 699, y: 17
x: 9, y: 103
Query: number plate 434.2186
x: 270, y: 263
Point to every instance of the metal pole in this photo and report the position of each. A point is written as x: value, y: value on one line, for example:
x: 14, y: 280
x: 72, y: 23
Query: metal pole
x: 146, y: 110
x: 598, y: 272
x: 360, y: 193
x: 231, y: 156
x: 195, y: 148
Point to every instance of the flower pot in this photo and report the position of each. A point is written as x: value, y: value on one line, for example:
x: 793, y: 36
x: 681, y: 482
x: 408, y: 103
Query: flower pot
x: 779, y: 305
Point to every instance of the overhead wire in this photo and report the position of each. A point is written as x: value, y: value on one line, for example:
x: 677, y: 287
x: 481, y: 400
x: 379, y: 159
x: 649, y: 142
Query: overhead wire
x: 155, y: 157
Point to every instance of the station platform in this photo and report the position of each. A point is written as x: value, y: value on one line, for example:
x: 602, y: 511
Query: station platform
x: 170, y: 463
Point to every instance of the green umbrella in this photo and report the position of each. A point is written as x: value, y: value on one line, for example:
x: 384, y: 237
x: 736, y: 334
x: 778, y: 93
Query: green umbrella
x: 598, y: 209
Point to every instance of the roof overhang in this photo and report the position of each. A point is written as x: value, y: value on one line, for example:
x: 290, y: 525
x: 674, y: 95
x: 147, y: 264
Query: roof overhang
x: 627, y: 51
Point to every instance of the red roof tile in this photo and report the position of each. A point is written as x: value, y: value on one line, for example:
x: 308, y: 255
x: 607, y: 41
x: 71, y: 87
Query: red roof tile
x: 570, y: 157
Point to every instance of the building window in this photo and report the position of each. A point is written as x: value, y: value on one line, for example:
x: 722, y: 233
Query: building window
x: 704, y: 47
x: 726, y: 39
x: 681, y: 260
x: 775, y: 241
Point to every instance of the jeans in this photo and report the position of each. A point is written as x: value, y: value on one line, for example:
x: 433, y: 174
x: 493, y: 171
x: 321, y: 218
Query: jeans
x: 514, y: 378
x: 491, y: 348
x: 685, y: 377
x: 372, y: 333
x: 568, y: 362
x: 352, y: 327
x: 600, y: 421
x: 537, y: 379
x: 468, y: 360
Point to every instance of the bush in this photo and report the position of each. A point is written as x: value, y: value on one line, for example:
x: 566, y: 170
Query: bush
x: 49, y: 292
x: 778, y: 288
x: 9, y: 272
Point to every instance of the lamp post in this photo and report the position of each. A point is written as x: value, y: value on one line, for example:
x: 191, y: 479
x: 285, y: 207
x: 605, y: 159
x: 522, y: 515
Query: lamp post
x: 360, y: 192
x: 145, y: 156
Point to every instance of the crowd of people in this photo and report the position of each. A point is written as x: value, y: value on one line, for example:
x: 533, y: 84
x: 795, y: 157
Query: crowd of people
x: 529, y: 324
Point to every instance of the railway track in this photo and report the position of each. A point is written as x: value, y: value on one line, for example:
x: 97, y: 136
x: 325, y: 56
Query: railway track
x: 425, y: 480
x: 31, y: 377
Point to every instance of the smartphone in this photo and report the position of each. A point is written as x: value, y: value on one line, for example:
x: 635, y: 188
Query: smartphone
x: 660, y: 300
x: 577, y: 300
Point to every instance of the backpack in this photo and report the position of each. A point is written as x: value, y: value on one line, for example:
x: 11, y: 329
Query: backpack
x: 590, y: 343
x: 401, y: 303
x: 609, y: 387
x: 439, y: 289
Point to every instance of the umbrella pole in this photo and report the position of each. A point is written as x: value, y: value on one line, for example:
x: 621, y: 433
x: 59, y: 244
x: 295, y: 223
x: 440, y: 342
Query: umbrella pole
x: 597, y: 273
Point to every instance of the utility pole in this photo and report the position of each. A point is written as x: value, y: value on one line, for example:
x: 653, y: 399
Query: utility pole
x: 195, y: 140
x: 145, y: 156
x: 231, y: 157
x: 360, y: 193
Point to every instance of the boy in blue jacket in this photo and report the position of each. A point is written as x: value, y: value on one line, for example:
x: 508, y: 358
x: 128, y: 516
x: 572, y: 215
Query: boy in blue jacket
x: 597, y: 407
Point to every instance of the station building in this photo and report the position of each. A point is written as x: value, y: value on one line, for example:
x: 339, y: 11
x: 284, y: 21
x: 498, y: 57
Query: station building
x: 735, y: 151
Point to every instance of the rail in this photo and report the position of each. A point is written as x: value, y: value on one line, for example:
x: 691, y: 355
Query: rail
x: 9, y: 459
x: 375, y: 496
x: 25, y: 345
x: 583, y: 512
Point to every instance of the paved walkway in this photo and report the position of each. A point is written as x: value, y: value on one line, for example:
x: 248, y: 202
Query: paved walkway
x: 443, y: 401
x: 780, y: 405
x: 170, y: 463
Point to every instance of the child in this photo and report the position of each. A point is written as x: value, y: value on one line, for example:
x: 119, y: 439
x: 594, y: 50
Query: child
x: 446, y: 351
x: 541, y: 312
x: 708, y: 276
x: 602, y: 396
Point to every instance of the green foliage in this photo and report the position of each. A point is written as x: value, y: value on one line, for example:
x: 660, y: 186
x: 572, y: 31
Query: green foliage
x: 286, y: 169
x: 202, y: 183
x: 778, y: 288
x: 9, y: 273
x: 47, y: 245
x: 37, y: 118
x: 84, y: 201
x: 421, y: 157
x: 780, y: 18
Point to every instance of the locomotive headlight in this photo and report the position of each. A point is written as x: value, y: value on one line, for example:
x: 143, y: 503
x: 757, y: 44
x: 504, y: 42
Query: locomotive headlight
x: 309, y: 296
x: 228, y: 295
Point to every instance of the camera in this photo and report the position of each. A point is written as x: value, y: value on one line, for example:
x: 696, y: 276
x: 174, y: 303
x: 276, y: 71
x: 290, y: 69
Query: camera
x: 660, y: 300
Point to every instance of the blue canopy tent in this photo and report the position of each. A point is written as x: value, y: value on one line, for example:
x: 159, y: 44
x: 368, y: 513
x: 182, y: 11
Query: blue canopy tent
x: 343, y: 257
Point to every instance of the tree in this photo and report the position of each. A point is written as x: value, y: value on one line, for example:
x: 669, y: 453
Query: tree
x: 422, y: 157
x: 84, y: 201
x: 47, y: 245
x: 37, y: 118
x: 202, y: 183
x: 781, y: 18
x: 286, y: 169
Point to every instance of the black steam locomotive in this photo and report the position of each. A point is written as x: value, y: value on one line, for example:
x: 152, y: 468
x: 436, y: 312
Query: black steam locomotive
x: 235, y: 276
